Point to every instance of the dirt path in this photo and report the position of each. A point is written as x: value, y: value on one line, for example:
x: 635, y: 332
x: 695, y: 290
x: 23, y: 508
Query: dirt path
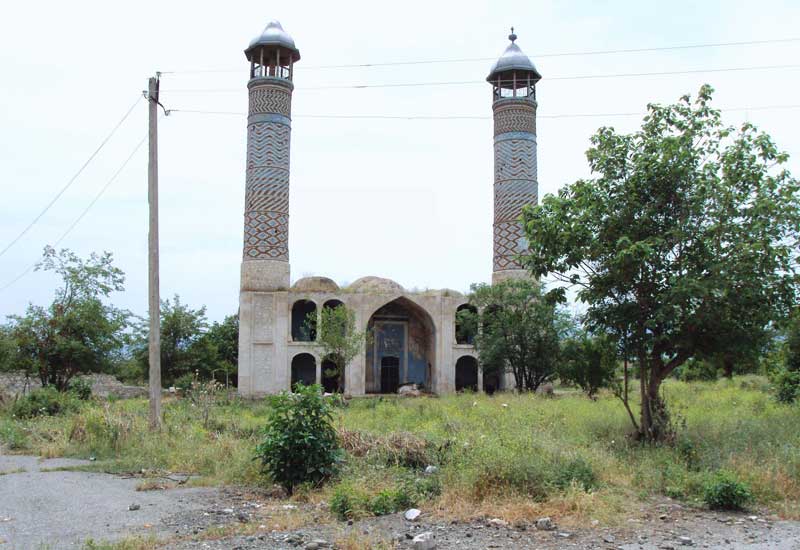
x: 62, y: 509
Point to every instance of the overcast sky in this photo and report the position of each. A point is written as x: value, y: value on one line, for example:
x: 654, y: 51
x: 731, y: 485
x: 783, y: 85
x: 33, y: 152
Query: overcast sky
x: 406, y: 199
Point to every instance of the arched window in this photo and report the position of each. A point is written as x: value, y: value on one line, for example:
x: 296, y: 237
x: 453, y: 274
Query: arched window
x: 304, y: 369
x: 333, y: 303
x: 304, y: 321
x: 466, y: 327
x: 467, y: 373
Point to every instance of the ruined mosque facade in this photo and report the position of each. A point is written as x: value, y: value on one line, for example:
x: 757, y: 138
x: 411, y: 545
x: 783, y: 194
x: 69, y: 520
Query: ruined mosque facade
x: 414, y: 333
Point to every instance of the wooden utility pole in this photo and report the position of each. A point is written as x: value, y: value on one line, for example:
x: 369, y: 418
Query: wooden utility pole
x: 152, y: 245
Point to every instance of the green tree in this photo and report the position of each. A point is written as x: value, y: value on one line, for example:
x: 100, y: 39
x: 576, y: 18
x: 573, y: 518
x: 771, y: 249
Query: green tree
x: 338, y: 337
x: 589, y: 362
x: 78, y: 332
x: 184, y: 349
x: 8, y: 349
x: 224, y: 337
x: 683, y: 244
x: 520, y: 331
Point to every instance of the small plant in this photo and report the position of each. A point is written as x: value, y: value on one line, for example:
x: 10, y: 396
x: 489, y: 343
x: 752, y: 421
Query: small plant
x: 577, y: 470
x: 344, y: 502
x: 300, y: 444
x: 81, y: 388
x: 46, y: 401
x: 724, y: 492
x: 204, y: 395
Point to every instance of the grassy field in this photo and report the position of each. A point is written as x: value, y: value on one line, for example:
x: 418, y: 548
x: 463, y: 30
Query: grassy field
x: 508, y: 456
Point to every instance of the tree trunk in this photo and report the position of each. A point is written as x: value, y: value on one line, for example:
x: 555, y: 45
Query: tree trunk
x: 654, y: 425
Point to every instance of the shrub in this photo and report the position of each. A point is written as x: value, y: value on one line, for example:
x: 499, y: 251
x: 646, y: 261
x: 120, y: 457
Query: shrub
x: 787, y: 386
x: 184, y: 382
x: 345, y: 501
x: 724, y: 492
x: 81, y: 388
x: 577, y: 471
x: 300, y: 444
x: 46, y: 401
x: 697, y: 370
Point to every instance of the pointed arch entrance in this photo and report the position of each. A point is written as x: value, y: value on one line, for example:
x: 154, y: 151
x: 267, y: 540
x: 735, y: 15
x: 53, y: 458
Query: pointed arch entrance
x: 403, y: 347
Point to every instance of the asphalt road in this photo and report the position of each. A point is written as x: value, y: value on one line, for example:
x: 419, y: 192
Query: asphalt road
x: 62, y: 509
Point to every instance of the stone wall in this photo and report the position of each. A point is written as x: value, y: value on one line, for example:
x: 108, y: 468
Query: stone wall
x: 103, y: 385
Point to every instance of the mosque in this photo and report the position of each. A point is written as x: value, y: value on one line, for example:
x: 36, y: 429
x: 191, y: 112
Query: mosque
x: 415, y: 334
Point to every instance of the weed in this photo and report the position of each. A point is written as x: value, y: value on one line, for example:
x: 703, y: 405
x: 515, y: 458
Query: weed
x: 725, y: 492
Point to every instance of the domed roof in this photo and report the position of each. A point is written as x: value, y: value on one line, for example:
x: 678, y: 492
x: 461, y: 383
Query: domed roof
x: 315, y: 284
x: 376, y: 285
x: 274, y: 35
x: 513, y: 59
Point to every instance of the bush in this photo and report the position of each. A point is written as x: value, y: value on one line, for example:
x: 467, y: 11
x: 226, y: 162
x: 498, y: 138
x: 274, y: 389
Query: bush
x: 577, y: 471
x: 697, y: 370
x: 81, y: 388
x: 724, y: 492
x: 184, y: 382
x: 787, y: 386
x: 300, y: 444
x: 46, y: 401
x: 344, y: 502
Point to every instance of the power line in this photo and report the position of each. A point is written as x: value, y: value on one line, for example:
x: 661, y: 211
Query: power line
x: 538, y: 56
x: 476, y: 117
x: 72, y: 180
x: 472, y: 82
x: 77, y: 220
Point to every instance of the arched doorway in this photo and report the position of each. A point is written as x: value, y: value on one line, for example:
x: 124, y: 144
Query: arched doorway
x: 332, y: 380
x: 465, y: 332
x: 403, y: 347
x: 304, y: 323
x: 304, y: 369
x: 467, y: 373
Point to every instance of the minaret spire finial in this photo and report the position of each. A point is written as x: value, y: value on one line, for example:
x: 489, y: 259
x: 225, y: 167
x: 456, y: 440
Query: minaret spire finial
x: 512, y: 36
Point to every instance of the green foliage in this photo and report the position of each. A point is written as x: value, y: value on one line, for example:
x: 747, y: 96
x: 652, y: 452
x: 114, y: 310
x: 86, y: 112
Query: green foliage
x: 787, y: 386
x: 78, y: 333
x: 350, y: 501
x: 589, y: 362
x: 300, y: 444
x: 520, y: 331
x: 8, y: 349
x: 697, y: 369
x: 188, y: 346
x: 338, y: 337
x: 683, y: 243
x: 725, y: 492
x: 47, y: 401
x: 576, y: 470
x: 81, y: 388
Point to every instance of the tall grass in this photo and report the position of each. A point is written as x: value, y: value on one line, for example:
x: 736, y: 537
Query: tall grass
x: 516, y: 455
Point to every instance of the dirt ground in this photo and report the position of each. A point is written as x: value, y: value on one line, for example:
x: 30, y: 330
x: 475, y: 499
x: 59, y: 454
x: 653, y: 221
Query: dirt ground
x: 44, y: 506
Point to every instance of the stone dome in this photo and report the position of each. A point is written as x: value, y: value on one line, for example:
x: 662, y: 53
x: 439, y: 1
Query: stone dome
x: 377, y: 285
x: 315, y: 284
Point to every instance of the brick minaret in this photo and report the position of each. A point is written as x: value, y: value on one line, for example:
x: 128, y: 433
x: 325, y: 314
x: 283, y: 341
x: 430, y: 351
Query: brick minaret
x: 265, y: 265
x: 513, y: 78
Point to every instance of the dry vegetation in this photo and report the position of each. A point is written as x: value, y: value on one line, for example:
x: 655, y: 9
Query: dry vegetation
x: 516, y: 457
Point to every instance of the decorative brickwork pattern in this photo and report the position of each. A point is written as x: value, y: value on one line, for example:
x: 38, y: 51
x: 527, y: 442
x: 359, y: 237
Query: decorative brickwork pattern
x: 266, y: 218
x: 516, y: 116
x: 509, y: 241
x: 515, y: 183
x: 271, y: 99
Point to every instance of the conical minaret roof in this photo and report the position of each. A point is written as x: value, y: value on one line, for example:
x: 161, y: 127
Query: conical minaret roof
x: 513, y: 59
x: 274, y: 35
